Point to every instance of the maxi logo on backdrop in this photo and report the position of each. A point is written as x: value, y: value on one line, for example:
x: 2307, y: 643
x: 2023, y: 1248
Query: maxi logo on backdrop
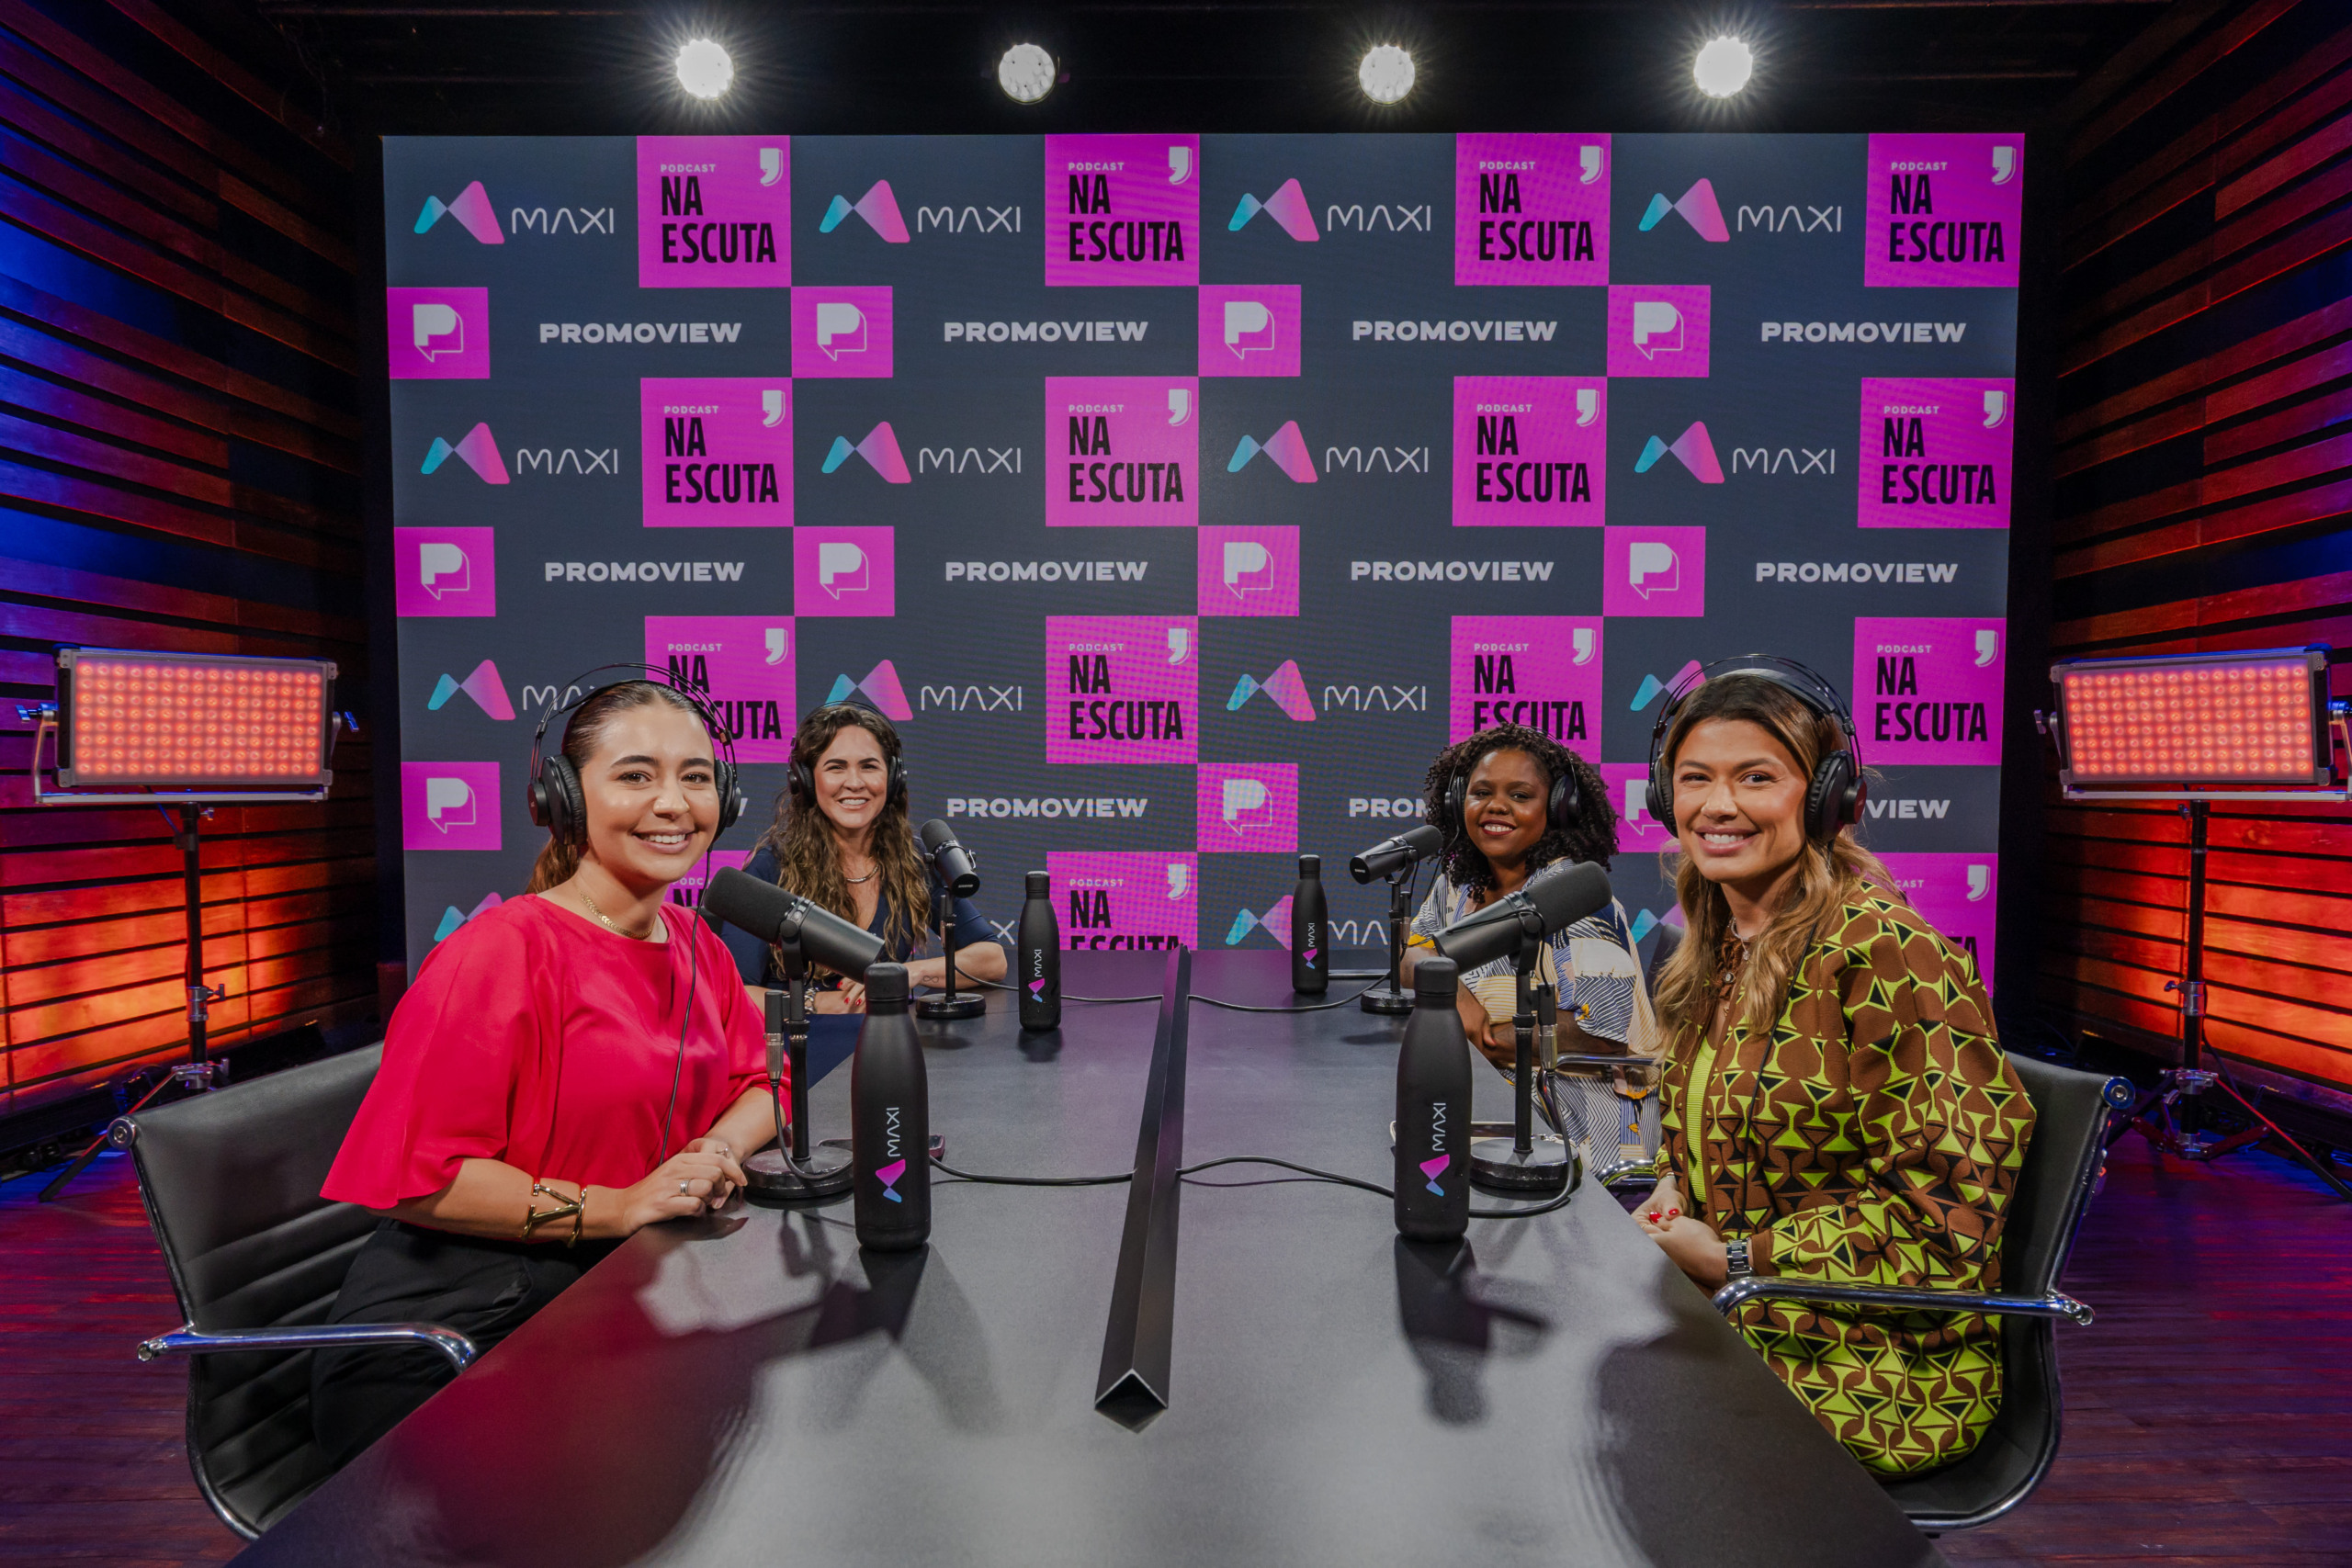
x: 1174, y: 427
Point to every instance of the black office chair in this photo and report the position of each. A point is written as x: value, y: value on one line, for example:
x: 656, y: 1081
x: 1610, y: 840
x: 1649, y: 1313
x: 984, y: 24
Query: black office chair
x: 230, y: 1180
x: 2062, y: 1166
x: 1670, y: 936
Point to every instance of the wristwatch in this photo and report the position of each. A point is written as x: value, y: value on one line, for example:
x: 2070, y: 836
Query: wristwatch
x: 1736, y: 1264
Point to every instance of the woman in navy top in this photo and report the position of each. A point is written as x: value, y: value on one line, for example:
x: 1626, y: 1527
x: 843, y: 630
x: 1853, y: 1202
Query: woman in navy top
x: 841, y: 839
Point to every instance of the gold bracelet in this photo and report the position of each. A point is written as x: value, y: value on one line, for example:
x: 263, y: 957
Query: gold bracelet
x: 565, y: 1209
x: 578, y: 1219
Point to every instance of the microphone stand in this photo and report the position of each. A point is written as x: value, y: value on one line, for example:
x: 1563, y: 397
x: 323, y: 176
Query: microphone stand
x: 949, y: 1006
x: 1390, y: 996
x: 1520, y: 1164
x: 792, y: 1172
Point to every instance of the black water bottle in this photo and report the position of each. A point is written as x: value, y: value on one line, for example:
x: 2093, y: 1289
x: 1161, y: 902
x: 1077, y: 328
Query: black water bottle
x: 1310, y: 924
x: 1037, y: 957
x: 1434, y: 1112
x: 890, y: 1119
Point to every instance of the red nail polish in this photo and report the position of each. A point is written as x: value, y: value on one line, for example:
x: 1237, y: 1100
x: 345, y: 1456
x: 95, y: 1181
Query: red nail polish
x: 1673, y: 1213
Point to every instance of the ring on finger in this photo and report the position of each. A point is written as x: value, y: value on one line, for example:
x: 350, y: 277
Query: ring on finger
x: 682, y: 1185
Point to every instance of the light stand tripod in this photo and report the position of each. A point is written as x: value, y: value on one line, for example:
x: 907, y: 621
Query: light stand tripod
x: 2167, y: 1116
x: 798, y: 1172
x: 1390, y: 996
x: 1520, y: 1164
x: 198, y: 1073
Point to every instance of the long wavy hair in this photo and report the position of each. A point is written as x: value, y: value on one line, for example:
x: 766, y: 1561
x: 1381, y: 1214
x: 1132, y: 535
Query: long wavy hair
x: 1591, y: 836
x: 583, y: 734
x: 1829, y: 876
x: 808, y: 861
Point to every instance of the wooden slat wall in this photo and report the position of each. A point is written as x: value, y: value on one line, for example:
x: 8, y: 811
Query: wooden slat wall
x: 178, y: 470
x: 2204, y: 464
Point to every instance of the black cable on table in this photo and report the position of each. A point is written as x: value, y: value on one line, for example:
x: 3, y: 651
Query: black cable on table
x: 1332, y: 1175
x: 1066, y: 996
x: 939, y: 1164
x: 1309, y: 1007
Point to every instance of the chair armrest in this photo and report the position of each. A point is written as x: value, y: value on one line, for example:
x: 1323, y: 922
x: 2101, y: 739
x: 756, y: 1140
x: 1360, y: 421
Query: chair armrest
x: 1652, y: 1167
x: 1897, y: 1298
x: 188, y: 1339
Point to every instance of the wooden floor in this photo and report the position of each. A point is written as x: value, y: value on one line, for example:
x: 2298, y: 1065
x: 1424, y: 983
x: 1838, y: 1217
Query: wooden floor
x: 2209, y: 1412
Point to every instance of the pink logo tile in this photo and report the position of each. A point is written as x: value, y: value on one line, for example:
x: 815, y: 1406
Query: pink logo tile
x: 1123, y: 451
x: 449, y: 806
x: 1126, y: 899
x: 843, y: 571
x: 1958, y: 895
x: 1248, y: 807
x: 1540, y: 671
x: 1658, y: 329
x: 688, y: 888
x: 1928, y: 689
x: 1531, y: 208
x: 1936, y: 452
x: 1530, y: 450
x: 1248, y: 571
x: 1123, y: 211
x: 841, y: 332
x: 714, y: 211
x: 1637, y: 831
x: 1654, y: 571
x: 1944, y: 210
x: 445, y: 571
x: 1122, y: 688
x: 742, y: 667
x: 438, y: 334
x: 1249, y: 329
x: 717, y: 451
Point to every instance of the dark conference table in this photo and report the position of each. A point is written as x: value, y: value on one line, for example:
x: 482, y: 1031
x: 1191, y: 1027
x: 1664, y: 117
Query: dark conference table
x: 750, y: 1389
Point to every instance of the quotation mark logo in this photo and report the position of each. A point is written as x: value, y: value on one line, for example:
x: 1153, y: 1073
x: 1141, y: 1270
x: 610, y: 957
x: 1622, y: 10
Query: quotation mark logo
x: 878, y: 207
x: 477, y: 448
x: 472, y: 210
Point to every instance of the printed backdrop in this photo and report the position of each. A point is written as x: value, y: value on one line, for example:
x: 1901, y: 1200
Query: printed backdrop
x: 1179, y: 495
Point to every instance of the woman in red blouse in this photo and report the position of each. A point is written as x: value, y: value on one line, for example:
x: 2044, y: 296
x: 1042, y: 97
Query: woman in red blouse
x: 569, y: 1067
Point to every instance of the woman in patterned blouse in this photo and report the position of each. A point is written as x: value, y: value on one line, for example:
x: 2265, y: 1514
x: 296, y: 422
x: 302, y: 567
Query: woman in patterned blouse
x: 1491, y: 795
x: 1834, y: 1097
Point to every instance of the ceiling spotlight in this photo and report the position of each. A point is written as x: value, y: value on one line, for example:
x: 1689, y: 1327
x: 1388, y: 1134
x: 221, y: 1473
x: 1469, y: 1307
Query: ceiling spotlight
x: 1387, y: 73
x: 1026, y: 72
x: 1724, y: 67
x: 704, y: 68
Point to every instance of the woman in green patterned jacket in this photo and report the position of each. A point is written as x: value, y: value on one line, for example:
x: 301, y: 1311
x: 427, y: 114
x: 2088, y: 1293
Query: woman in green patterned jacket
x: 1837, y: 1106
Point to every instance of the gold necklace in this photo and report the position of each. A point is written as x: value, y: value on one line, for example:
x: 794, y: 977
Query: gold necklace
x: 645, y: 935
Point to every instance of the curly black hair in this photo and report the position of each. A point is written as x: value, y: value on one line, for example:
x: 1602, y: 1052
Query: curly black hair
x: 1592, y: 836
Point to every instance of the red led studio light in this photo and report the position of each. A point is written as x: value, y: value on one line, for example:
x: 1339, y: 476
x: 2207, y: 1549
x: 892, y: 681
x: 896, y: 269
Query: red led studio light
x: 193, y: 721
x: 2254, y: 720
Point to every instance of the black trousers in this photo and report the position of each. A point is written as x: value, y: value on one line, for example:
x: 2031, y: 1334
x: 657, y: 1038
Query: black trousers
x: 484, y: 1290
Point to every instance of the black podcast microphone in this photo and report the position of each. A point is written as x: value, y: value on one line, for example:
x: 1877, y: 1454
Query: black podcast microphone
x: 766, y: 910
x: 1392, y: 855
x: 951, y: 863
x: 1546, y: 904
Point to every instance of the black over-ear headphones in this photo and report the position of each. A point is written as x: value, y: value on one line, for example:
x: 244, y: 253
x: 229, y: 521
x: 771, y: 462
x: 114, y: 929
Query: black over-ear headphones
x: 1561, y: 810
x: 556, y: 800
x: 1834, y: 797
x: 801, y: 777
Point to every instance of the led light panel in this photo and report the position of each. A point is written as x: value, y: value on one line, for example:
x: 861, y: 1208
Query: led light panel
x: 2248, y: 720
x: 193, y: 720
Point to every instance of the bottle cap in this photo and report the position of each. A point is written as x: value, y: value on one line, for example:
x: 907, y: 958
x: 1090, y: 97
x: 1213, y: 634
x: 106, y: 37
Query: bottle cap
x: 886, y: 983
x: 1310, y: 865
x: 1434, y: 980
x: 1040, y: 885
